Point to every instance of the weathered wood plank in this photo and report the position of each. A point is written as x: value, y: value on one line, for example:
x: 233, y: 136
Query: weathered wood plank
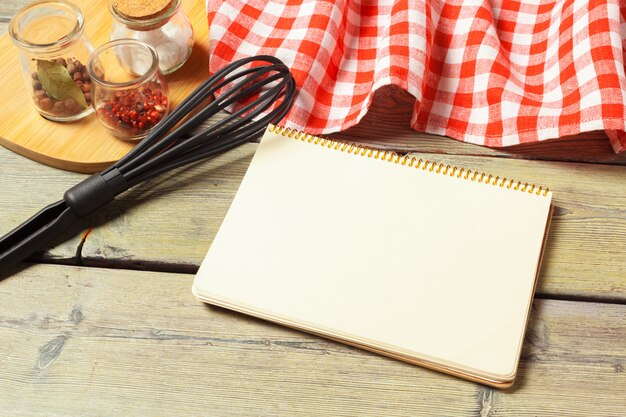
x: 9, y: 7
x: 83, y: 341
x: 586, y: 239
x: 170, y: 223
x: 27, y: 187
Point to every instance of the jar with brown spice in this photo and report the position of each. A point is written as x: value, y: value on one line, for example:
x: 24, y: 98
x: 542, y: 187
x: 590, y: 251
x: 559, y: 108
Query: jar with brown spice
x: 54, y: 53
x: 161, y: 24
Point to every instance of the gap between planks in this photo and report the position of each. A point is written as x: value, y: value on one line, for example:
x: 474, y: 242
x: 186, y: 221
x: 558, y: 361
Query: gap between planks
x: 191, y: 269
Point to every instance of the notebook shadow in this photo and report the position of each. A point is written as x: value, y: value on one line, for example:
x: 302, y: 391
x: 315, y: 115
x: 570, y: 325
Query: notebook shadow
x: 535, y: 348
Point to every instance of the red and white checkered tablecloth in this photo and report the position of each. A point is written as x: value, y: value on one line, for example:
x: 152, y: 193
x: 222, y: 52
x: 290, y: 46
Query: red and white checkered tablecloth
x: 495, y: 73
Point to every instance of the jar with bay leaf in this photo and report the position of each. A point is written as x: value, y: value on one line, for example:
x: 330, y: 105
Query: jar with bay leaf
x: 54, y: 52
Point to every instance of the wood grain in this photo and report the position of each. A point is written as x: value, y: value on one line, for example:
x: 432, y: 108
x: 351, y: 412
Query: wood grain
x: 9, y: 7
x: 85, y: 341
x: 83, y: 146
x: 169, y: 223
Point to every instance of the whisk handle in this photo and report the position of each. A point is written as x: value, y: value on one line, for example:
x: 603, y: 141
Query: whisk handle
x: 95, y: 192
x: 37, y: 232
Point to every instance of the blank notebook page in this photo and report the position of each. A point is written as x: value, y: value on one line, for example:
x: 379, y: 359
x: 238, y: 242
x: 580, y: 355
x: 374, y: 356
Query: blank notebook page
x: 399, y: 259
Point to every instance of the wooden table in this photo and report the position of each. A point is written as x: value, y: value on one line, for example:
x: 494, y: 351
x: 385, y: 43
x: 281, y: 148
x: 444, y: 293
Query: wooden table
x: 104, y: 323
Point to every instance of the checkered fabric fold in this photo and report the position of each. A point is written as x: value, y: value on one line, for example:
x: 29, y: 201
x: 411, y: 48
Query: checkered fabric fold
x: 495, y: 73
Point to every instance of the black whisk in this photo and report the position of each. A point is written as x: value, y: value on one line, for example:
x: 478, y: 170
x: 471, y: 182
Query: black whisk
x: 265, y: 92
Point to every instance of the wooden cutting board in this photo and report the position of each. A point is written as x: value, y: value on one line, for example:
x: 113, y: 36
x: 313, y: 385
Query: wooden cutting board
x: 84, y: 146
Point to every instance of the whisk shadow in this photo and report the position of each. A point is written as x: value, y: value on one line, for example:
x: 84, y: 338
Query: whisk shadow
x: 177, y: 180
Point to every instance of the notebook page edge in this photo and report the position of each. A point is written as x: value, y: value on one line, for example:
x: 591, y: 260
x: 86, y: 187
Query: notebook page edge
x: 476, y: 375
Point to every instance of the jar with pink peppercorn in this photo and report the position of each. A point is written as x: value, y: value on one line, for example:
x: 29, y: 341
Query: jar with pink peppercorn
x: 130, y: 94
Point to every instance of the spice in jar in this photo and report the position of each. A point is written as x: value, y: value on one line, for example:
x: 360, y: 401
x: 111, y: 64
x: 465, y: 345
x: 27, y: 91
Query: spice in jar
x: 61, y: 87
x: 129, y: 93
x: 131, y: 113
x: 53, y: 49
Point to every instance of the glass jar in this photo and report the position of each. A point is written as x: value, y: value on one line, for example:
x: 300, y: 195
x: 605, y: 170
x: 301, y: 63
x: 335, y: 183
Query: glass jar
x: 129, y: 92
x: 53, y: 55
x: 169, y: 32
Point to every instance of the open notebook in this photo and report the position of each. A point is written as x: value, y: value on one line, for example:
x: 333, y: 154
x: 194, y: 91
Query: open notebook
x: 424, y: 262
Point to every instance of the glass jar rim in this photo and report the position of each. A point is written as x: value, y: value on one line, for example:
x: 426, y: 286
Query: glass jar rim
x: 144, y: 23
x: 154, y: 66
x: 61, y: 43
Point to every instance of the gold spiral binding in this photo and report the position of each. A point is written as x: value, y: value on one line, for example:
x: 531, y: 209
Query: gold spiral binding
x: 411, y: 161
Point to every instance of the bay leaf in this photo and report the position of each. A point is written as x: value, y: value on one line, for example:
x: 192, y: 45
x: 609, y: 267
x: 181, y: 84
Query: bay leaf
x: 57, y: 82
